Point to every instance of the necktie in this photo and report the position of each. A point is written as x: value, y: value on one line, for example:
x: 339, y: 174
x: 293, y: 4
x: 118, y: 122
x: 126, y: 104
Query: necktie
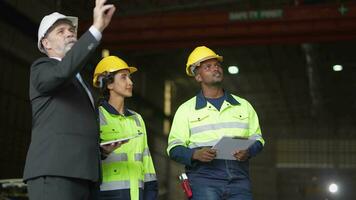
x: 86, y: 88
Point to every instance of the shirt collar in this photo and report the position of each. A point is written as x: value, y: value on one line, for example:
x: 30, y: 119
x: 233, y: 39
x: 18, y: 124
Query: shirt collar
x: 201, y: 102
x: 57, y: 58
x: 113, y: 111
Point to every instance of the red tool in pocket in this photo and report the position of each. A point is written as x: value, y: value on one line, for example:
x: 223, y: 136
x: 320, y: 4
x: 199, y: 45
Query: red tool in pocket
x: 185, y: 185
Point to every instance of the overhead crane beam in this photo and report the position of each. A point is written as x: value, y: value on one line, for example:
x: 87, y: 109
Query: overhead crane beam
x: 294, y: 24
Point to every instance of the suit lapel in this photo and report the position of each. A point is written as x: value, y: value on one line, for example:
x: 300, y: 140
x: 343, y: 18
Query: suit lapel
x: 83, y: 91
x: 79, y: 85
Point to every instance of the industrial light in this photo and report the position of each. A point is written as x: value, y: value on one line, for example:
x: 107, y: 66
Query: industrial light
x: 233, y: 69
x: 337, y: 68
x: 333, y: 188
x: 105, y: 53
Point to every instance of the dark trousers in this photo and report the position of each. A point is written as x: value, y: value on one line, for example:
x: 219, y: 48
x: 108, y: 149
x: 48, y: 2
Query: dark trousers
x: 149, y: 193
x: 61, y: 188
x: 220, y: 189
x: 123, y: 194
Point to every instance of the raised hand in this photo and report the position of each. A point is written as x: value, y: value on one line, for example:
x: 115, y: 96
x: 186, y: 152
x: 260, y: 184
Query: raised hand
x: 102, y: 14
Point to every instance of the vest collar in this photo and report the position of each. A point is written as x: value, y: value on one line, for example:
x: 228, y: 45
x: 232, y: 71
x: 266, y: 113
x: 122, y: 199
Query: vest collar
x: 201, y: 101
x: 105, y: 104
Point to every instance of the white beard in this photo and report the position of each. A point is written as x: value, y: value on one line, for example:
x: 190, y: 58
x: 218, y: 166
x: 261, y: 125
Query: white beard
x: 64, y: 49
x: 68, y: 47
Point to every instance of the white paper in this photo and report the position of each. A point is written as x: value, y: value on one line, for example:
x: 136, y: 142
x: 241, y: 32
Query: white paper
x: 121, y: 139
x: 226, y: 145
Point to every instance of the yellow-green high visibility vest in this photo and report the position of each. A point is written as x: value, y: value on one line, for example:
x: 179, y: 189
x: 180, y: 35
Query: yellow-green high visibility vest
x: 194, y: 127
x: 129, y: 166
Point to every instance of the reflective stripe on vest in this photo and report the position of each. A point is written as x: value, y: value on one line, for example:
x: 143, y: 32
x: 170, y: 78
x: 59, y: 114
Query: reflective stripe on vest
x: 137, y: 120
x: 116, y: 157
x: 139, y: 156
x: 146, y: 152
x: 203, y: 144
x: 176, y: 143
x: 210, y: 127
x: 150, y: 177
x: 255, y: 137
x: 213, y: 142
x: 118, y: 185
x: 102, y: 119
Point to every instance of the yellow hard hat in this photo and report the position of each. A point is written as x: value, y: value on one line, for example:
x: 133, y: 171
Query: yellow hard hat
x: 110, y: 64
x: 198, y: 55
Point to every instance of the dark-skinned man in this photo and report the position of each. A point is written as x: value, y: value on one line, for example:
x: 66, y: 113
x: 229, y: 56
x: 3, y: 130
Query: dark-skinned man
x: 204, y: 119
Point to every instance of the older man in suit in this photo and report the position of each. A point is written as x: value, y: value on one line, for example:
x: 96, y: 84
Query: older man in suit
x: 63, y: 160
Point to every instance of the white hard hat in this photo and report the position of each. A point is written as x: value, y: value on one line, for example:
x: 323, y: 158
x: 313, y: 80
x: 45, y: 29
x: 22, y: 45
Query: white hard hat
x: 48, y: 21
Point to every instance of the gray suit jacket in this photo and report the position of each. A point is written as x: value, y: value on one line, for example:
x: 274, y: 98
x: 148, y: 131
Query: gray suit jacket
x: 65, y: 129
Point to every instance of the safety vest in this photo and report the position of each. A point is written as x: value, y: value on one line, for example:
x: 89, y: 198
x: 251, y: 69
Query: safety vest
x: 194, y: 127
x: 129, y: 166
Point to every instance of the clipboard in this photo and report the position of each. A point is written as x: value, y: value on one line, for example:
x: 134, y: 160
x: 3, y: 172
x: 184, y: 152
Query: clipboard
x: 226, y: 145
x: 121, y: 139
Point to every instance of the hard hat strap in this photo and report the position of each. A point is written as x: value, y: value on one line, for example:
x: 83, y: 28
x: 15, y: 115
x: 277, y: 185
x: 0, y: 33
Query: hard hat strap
x: 106, y: 78
x: 100, y: 81
x: 193, y: 67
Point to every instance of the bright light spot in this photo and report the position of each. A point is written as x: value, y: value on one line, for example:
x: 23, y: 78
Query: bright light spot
x: 233, y: 69
x: 333, y: 188
x: 337, y: 68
